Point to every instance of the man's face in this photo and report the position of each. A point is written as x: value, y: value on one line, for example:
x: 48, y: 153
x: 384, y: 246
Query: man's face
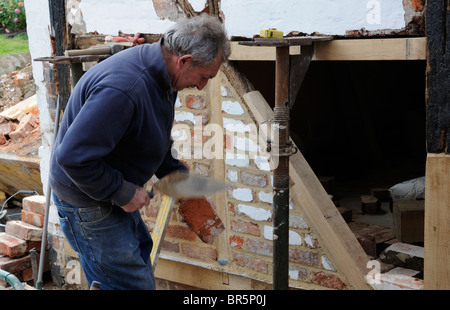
x: 189, y: 75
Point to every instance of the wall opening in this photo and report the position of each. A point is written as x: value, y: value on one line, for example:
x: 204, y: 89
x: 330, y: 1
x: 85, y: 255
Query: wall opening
x: 362, y: 122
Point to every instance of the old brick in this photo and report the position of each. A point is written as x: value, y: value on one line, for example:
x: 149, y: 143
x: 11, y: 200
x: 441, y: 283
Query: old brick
x: 251, y: 262
x: 195, y: 102
x: 26, y: 125
x: 32, y: 218
x: 11, y: 245
x: 170, y: 246
x: 35, y: 203
x: 304, y: 257
x: 7, y: 128
x: 253, y: 179
x: 327, y: 280
x: 236, y: 242
x: 246, y: 227
x: 201, y: 169
x: 180, y: 232
x: 297, y: 273
x: 2, y: 139
x: 15, y: 265
x: 259, y: 247
x: 195, y: 251
x: 23, y: 230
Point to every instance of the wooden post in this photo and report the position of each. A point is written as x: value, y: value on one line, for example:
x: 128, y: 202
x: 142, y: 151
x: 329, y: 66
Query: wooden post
x: 437, y: 182
x: 59, y: 33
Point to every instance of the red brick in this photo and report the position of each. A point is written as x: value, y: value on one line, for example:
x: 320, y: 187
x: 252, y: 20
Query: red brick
x: 15, y: 265
x: 2, y: 139
x: 236, y: 242
x: 247, y: 261
x: 327, y: 280
x: 171, y: 246
x: 12, y: 246
x: 254, y: 179
x: 195, y: 251
x: 6, y: 128
x: 304, y: 257
x: 27, y: 274
x: 246, y: 228
x: 26, y: 125
x: 259, y: 247
x: 23, y: 230
x: 180, y: 232
x: 35, y: 203
x: 195, y: 102
x: 32, y: 218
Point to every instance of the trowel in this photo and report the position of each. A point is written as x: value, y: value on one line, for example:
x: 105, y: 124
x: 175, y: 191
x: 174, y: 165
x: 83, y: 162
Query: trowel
x: 182, y: 186
x: 190, y: 190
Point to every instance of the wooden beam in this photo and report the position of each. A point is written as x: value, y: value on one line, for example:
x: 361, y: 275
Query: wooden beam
x: 218, y: 165
x: 343, y: 50
x: 437, y: 223
x: 438, y: 76
x: 204, y: 278
x: 317, y: 207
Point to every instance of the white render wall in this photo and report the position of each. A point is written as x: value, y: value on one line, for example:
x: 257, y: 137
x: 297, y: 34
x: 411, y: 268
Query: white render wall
x: 246, y: 18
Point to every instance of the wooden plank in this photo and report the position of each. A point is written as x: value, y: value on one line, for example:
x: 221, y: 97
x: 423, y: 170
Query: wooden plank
x: 19, y: 173
x: 162, y: 221
x: 320, y: 212
x: 218, y: 164
x: 204, y: 278
x: 343, y: 50
x: 437, y: 223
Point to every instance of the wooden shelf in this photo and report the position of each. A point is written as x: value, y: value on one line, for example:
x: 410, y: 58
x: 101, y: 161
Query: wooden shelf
x: 343, y: 50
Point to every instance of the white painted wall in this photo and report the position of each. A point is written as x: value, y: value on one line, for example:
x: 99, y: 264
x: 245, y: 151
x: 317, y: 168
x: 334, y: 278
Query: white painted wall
x: 38, y: 30
x: 246, y: 18
x: 332, y: 17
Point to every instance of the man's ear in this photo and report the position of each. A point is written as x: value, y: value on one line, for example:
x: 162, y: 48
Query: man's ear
x: 184, y: 59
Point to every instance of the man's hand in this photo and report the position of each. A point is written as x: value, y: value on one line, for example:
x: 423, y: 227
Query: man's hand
x: 140, y: 199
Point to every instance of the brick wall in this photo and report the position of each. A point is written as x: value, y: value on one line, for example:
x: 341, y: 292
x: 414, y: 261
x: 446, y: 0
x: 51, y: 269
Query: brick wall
x: 246, y: 246
x: 248, y: 198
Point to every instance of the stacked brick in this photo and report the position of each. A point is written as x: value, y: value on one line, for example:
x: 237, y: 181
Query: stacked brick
x: 21, y: 236
x: 248, y: 198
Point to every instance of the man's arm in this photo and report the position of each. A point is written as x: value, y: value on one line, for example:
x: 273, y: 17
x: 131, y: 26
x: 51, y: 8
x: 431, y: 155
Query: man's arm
x: 93, y: 134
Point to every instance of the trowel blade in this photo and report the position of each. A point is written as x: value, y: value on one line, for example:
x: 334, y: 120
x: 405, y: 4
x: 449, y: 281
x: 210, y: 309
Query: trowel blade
x: 181, y: 185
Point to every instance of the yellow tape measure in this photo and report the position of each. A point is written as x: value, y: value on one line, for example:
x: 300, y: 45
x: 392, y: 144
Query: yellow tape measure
x: 271, y: 33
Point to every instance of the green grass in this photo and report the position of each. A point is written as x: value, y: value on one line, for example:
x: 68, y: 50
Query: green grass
x: 16, y: 45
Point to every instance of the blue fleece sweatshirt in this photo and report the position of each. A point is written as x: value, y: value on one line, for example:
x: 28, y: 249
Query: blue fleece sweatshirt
x: 115, y: 132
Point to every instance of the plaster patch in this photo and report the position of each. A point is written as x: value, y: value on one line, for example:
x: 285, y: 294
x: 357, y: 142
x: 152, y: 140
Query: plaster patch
x: 255, y: 213
x: 243, y: 194
x: 232, y: 107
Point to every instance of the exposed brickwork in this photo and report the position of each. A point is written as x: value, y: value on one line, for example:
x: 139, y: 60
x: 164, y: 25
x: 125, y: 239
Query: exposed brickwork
x: 248, y: 200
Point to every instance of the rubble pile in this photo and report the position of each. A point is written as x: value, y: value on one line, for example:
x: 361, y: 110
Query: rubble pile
x: 16, y: 86
x: 19, y: 116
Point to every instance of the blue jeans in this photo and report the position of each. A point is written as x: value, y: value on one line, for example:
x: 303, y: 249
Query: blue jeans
x: 113, y: 246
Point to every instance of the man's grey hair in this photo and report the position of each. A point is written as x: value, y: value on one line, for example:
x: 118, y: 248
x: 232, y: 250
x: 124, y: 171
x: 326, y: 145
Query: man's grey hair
x: 202, y: 36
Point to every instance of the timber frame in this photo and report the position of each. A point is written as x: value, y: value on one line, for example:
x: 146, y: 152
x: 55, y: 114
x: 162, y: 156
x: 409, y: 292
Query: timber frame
x: 437, y: 180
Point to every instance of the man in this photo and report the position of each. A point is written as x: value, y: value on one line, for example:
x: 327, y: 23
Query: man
x: 114, y: 136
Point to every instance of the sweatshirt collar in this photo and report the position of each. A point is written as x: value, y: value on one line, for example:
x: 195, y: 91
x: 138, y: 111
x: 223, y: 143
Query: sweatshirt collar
x: 153, y: 60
